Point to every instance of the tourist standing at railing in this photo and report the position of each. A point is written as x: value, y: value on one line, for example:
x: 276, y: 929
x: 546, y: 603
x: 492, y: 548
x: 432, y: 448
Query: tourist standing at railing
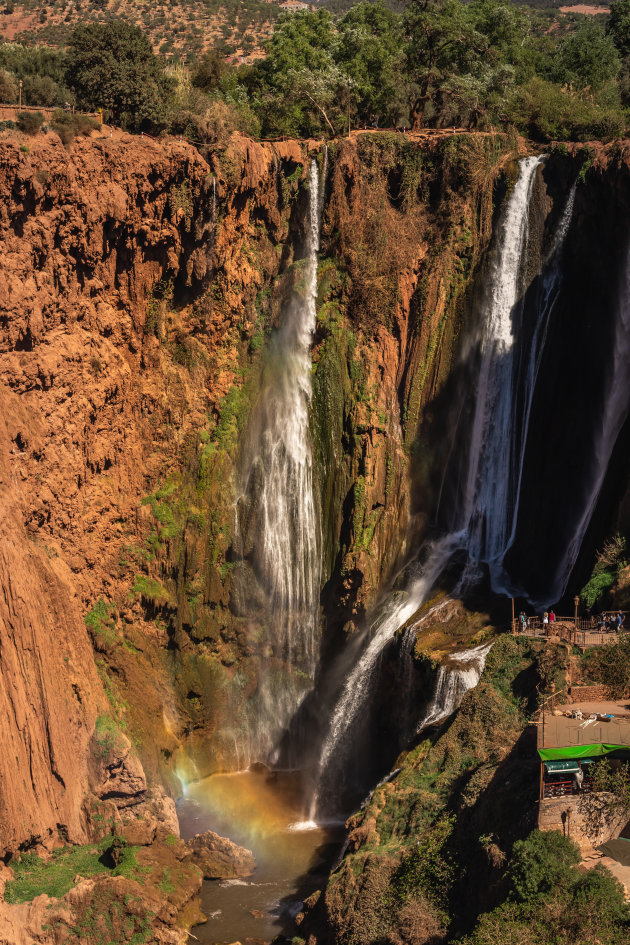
x: 552, y: 616
x: 545, y: 622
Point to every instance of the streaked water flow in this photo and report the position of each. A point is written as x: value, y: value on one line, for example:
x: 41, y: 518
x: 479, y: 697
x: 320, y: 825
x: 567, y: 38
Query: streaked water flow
x: 278, y: 480
x: 456, y: 676
x: 485, y: 514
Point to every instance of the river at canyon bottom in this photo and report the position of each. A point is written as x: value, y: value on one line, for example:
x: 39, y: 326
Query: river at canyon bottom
x: 261, y: 810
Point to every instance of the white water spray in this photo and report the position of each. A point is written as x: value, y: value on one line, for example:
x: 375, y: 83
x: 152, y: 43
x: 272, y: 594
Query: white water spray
x: 456, y: 676
x: 398, y: 609
x: 488, y: 501
x: 279, y: 481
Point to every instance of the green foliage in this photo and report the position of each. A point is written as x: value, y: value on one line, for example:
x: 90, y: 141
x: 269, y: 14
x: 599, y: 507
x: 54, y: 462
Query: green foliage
x: 34, y: 876
x: 588, y: 57
x: 108, y: 737
x: 613, y: 780
x: 542, y: 864
x: 42, y: 71
x: 428, y: 868
x: 483, y: 63
x: 151, y: 589
x: 100, y: 624
x: 166, y: 884
x: 545, y: 111
x: 112, y: 65
x: 588, y: 908
x: 610, y: 561
x: 68, y: 126
x: 609, y: 665
x: 618, y: 26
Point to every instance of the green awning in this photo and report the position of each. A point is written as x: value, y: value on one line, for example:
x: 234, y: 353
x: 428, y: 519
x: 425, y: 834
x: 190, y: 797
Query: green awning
x: 566, y: 767
x: 580, y: 751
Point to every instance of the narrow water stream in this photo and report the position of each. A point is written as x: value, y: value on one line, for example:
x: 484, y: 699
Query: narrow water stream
x: 260, y: 810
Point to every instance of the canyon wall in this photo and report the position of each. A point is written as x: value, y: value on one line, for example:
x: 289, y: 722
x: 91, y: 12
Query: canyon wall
x: 143, y: 282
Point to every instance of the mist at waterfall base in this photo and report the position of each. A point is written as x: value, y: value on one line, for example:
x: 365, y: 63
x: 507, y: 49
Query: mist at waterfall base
x: 506, y: 465
x: 259, y: 810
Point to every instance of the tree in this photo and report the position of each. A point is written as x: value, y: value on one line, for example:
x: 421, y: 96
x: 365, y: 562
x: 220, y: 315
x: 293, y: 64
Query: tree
x: 113, y: 65
x: 442, y: 46
x: 8, y: 87
x: 588, y: 57
x: 370, y: 53
x: 210, y: 71
x: 542, y: 864
x: 618, y: 27
x: 298, y: 83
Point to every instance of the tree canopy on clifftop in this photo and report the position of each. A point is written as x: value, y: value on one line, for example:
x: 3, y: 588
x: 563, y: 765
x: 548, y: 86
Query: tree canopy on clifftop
x: 481, y: 64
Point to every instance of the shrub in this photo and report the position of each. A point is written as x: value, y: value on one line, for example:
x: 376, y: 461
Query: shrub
x: 68, y: 126
x: 610, y: 665
x: 30, y: 122
x: 108, y: 737
x: 606, y: 570
x: 542, y: 864
x: 545, y: 111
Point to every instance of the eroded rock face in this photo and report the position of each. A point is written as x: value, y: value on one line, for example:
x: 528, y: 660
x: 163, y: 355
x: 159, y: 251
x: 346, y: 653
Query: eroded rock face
x: 83, y: 239
x: 118, y: 773
x: 220, y: 858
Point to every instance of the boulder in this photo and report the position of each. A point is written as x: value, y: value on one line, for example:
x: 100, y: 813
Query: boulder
x: 219, y: 858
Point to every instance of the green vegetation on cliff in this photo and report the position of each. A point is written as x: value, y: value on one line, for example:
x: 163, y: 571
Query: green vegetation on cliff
x: 550, y: 903
x: 34, y: 876
x: 446, y: 851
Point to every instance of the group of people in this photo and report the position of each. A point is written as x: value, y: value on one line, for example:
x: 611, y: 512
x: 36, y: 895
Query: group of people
x: 525, y: 621
x: 612, y: 623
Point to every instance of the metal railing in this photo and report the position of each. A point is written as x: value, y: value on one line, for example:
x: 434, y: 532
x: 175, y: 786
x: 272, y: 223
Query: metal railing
x: 579, y: 631
x: 565, y: 788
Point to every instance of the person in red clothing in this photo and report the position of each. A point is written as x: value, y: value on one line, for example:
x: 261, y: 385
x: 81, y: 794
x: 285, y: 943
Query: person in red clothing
x: 552, y: 616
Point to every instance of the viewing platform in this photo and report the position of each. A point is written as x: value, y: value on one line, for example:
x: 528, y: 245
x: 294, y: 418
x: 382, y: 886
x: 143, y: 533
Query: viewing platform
x: 582, y: 632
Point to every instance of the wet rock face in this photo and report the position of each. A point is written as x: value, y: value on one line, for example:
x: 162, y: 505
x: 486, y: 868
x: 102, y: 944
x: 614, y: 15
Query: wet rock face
x: 576, y: 372
x: 218, y: 857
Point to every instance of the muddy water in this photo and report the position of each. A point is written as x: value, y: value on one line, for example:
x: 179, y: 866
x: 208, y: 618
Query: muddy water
x: 262, y: 811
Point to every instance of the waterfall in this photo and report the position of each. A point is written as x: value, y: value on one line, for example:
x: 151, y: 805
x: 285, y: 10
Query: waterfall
x: 485, y: 516
x: 457, y: 674
x: 615, y: 412
x: 397, y: 610
x: 489, y: 491
x: 551, y: 281
x: 279, y: 499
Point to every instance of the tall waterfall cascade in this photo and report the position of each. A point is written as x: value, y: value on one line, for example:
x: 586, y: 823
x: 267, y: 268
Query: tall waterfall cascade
x: 279, y: 481
x: 488, y: 500
x: 485, y: 518
x: 615, y: 412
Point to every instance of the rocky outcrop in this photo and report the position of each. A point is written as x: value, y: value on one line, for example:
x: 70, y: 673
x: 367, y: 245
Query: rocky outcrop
x: 219, y: 858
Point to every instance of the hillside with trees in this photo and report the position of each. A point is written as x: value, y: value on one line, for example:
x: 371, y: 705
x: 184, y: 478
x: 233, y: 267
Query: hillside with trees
x: 487, y: 64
